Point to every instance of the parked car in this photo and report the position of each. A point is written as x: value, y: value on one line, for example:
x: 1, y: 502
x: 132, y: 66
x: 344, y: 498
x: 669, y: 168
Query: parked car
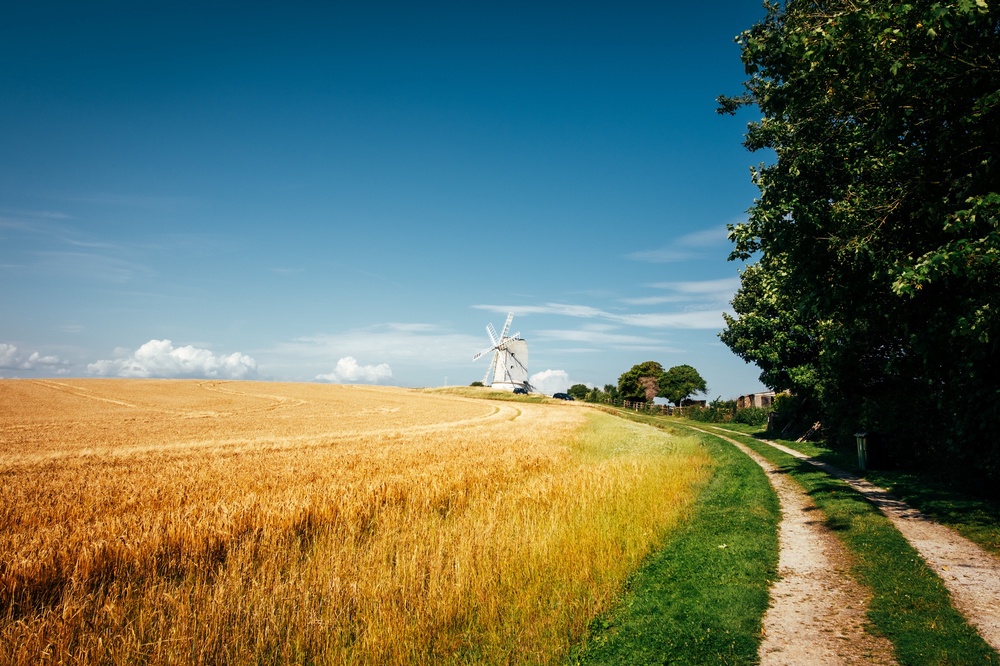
x: 562, y: 396
x: 521, y: 390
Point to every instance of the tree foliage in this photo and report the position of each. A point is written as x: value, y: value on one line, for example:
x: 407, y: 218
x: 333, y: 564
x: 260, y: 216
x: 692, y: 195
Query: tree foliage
x: 641, y: 382
x: 578, y: 391
x: 875, y: 287
x: 680, y: 382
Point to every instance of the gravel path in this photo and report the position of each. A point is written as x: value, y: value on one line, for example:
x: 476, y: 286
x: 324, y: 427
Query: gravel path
x: 971, y: 574
x: 818, y: 611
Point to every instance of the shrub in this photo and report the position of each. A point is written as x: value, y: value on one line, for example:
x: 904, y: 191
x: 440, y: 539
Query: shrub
x: 792, y: 413
x: 754, y: 416
x: 718, y: 411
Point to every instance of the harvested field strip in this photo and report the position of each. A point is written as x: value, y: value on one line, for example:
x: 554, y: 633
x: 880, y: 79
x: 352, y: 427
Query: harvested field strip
x: 496, y: 540
x: 44, y: 420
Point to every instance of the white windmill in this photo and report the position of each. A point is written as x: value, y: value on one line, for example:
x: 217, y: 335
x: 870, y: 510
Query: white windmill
x: 509, y: 367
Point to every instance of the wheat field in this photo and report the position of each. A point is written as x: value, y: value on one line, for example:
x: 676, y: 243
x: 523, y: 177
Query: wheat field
x: 218, y: 522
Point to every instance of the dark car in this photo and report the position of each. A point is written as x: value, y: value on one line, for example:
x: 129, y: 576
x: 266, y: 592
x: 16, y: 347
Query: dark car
x: 562, y: 396
x: 521, y: 390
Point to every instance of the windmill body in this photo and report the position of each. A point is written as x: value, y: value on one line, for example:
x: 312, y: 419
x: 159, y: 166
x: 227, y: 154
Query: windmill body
x: 510, y: 366
x: 508, y: 369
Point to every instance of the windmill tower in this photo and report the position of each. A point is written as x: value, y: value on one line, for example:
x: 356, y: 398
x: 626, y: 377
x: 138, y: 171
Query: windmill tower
x: 509, y: 367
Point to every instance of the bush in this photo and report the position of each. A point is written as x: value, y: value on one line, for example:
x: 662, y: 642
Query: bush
x: 792, y: 413
x: 718, y: 411
x: 754, y: 416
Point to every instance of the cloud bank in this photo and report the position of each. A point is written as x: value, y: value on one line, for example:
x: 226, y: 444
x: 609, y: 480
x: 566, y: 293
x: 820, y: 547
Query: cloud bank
x: 349, y: 371
x: 12, y: 358
x: 550, y: 381
x: 159, y: 358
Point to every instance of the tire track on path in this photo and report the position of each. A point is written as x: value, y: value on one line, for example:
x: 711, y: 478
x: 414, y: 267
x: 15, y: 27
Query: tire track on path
x: 818, y: 611
x: 971, y: 574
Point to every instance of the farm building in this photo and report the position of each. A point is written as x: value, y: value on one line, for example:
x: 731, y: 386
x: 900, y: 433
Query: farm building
x: 764, y: 399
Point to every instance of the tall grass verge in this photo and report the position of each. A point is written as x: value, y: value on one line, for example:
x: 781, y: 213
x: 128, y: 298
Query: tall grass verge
x: 701, y: 596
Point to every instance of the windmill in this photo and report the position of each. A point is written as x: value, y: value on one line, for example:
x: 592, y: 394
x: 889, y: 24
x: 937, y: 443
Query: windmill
x: 509, y: 367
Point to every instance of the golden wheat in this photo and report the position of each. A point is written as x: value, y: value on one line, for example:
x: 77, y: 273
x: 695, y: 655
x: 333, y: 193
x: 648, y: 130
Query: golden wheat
x: 238, y: 522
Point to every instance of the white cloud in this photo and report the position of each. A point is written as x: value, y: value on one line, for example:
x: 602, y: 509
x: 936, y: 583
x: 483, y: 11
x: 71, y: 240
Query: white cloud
x: 90, y: 265
x: 159, y: 358
x: 550, y: 381
x: 564, y: 309
x: 12, y: 358
x: 593, y: 337
x: 348, y: 370
x: 44, y: 214
x: 710, y: 300
x: 722, y: 287
x: 402, y: 343
x: 696, y: 319
x: 689, y: 246
x: 663, y: 255
x: 700, y: 295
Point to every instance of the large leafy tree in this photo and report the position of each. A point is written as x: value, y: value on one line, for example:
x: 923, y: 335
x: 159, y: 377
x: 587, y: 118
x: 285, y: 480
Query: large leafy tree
x: 770, y: 332
x: 876, y: 237
x: 680, y: 382
x: 641, y: 382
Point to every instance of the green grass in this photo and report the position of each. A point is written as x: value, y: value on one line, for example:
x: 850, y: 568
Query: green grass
x: 486, y: 393
x: 910, y: 604
x: 701, y: 598
x: 976, y: 518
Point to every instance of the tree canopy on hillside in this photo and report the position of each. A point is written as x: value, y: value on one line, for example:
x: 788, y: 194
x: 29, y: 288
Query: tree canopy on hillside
x: 875, y: 241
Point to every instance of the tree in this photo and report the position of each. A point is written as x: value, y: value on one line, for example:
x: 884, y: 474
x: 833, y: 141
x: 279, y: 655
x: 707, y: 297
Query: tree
x: 876, y: 235
x: 641, y: 382
x: 771, y: 333
x: 680, y: 382
x: 578, y: 391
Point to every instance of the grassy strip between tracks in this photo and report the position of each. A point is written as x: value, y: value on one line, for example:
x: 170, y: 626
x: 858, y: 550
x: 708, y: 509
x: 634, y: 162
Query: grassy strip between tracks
x: 910, y: 604
x: 975, y: 518
x: 701, y: 598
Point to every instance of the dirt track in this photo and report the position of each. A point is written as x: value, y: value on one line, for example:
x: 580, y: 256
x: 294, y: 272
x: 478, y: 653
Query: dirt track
x: 971, y: 574
x: 818, y: 612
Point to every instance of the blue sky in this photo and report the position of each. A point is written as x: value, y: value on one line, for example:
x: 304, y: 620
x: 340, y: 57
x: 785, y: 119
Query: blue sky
x: 351, y: 191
